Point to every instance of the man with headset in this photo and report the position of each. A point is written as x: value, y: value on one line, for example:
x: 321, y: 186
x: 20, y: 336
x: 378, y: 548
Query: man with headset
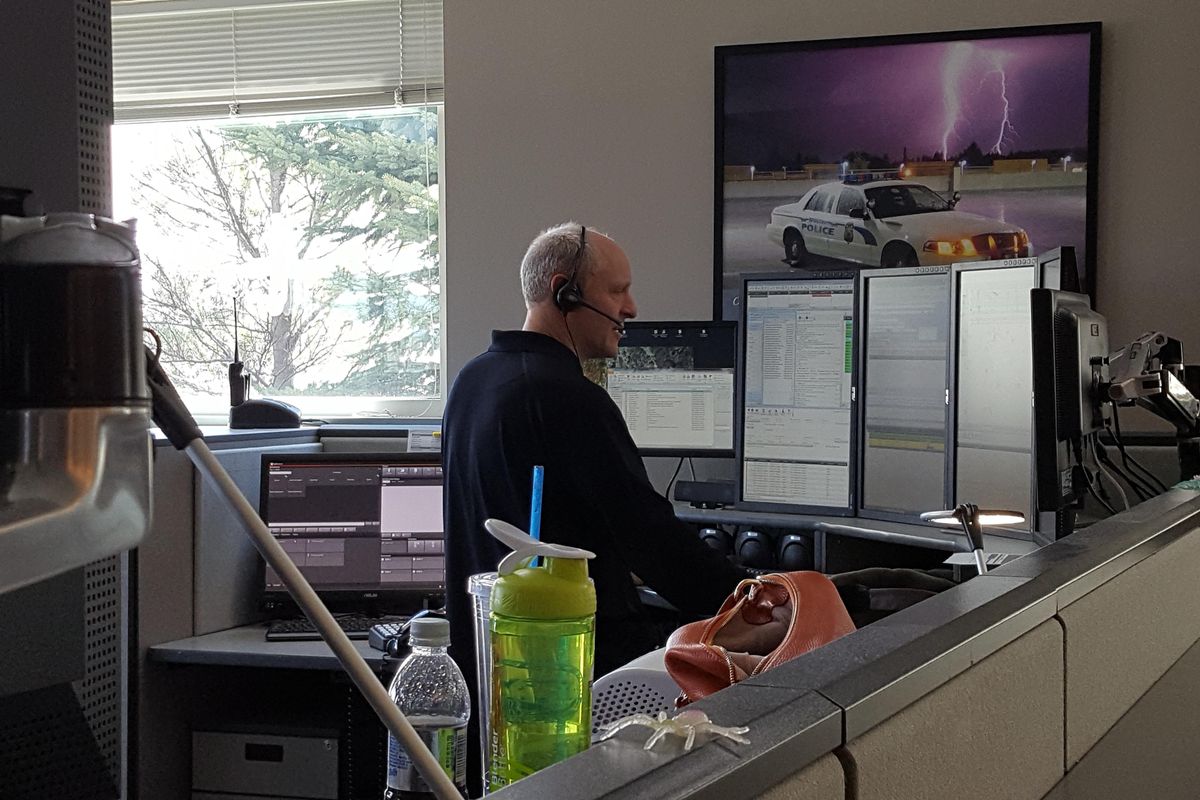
x: 526, y: 402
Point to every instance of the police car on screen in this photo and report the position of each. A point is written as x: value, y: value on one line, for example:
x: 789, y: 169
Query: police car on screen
x: 889, y: 224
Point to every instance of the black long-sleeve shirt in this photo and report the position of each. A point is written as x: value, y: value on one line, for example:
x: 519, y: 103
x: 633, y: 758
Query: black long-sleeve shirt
x: 525, y: 402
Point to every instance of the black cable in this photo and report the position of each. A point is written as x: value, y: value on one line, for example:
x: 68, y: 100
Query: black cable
x: 1125, y: 461
x: 692, y: 467
x: 1118, y: 437
x: 1128, y: 473
x: 1092, y: 492
x: 1094, y: 477
x: 570, y: 336
x: 1120, y: 443
x: 1103, y: 457
x: 1095, y: 485
x: 671, y: 482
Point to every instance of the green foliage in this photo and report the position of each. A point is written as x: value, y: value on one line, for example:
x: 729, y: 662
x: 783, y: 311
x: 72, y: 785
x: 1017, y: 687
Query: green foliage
x: 862, y: 160
x: 974, y: 156
x: 354, y: 193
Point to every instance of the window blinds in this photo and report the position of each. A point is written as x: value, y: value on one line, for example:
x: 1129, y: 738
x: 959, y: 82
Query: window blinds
x: 192, y: 59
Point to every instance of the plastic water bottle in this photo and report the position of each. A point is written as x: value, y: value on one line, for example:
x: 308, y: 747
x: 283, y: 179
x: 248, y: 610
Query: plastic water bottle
x: 430, y: 691
x: 543, y: 624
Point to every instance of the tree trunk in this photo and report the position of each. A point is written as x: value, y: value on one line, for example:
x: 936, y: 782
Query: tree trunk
x: 283, y: 345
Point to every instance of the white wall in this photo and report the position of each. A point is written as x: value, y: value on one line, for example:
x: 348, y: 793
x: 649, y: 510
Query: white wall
x: 603, y: 112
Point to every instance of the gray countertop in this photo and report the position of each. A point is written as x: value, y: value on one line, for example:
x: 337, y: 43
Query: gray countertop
x: 247, y: 647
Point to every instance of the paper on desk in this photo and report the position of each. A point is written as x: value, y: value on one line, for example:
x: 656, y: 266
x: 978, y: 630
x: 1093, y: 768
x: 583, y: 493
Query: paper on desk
x: 424, y: 441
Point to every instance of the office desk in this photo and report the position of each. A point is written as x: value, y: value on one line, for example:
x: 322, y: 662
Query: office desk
x: 927, y: 537
x: 247, y: 647
x: 235, y: 682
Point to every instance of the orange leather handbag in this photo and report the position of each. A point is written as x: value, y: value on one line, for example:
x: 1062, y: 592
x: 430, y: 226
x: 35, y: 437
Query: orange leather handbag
x: 766, y: 621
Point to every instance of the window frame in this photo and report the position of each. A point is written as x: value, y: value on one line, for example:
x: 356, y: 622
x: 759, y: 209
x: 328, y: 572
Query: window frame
x: 249, y: 88
x: 333, y: 408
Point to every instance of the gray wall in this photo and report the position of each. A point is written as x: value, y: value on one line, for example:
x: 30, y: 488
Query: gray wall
x: 39, y: 107
x: 603, y: 112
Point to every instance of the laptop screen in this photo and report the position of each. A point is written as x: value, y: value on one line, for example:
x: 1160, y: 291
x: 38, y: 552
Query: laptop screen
x: 364, y: 529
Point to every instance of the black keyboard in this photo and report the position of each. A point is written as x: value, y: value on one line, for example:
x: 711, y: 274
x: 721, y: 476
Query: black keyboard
x: 383, y: 633
x: 299, y: 629
x: 379, y: 634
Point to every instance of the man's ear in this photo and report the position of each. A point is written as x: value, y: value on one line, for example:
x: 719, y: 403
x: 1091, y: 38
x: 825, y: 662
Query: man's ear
x: 565, y: 296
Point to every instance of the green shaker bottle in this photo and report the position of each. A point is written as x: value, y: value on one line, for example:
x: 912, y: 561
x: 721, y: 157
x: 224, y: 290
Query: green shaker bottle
x: 543, y: 623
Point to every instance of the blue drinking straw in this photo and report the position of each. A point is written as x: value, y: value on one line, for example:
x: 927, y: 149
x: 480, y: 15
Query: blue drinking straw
x: 535, y: 510
x: 535, y: 507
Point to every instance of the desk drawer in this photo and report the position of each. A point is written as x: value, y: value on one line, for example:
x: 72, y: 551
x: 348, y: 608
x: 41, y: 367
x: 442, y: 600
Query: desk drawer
x: 264, y: 765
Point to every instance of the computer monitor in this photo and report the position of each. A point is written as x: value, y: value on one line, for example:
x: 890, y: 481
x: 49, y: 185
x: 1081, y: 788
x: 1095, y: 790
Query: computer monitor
x: 904, y: 335
x: 991, y: 415
x: 364, y: 529
x: 795, y: 425
x: 1069, y: 369
x: 1059, y: 269
x: 673, y: 382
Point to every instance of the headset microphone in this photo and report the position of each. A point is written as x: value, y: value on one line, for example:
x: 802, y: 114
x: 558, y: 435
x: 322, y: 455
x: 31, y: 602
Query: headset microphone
x: 577, y: 301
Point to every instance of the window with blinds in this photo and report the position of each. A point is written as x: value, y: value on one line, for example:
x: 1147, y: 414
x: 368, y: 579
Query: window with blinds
x: 180, y: 59
x: 283, y: 159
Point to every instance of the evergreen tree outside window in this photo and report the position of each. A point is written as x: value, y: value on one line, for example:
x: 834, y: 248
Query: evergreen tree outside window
x: 324, y: 232
x: 285, y: 157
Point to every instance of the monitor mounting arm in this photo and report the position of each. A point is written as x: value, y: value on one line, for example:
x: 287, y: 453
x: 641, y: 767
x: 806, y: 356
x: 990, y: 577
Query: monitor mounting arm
x: 1149, y: 372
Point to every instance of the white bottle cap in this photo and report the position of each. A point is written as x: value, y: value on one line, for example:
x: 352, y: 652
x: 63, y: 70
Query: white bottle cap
x: 429, y: 632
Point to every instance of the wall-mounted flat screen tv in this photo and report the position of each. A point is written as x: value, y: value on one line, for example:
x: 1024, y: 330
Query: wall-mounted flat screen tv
x: 905, y: 151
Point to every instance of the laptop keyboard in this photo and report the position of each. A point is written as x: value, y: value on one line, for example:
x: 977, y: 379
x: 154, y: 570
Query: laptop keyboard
x: 299, y: 629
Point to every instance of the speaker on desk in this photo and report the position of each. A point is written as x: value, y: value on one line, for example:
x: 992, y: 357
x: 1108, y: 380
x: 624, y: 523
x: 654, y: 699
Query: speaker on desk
x: 753, y: 549
x: 795, y: 552
x: 706, y: 494
x: 717, y: 539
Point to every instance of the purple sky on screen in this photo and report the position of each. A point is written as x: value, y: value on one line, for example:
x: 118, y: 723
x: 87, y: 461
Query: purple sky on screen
x: 922, y: 96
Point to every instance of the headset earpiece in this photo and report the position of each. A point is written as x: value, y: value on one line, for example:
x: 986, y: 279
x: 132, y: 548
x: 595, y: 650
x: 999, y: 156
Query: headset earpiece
x: 567, y: 297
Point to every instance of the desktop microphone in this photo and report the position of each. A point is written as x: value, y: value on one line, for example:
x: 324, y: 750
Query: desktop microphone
x: 619, y: 323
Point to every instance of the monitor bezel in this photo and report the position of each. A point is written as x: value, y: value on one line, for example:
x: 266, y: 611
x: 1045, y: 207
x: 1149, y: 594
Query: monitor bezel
x: 730, y: 327
x: 1040, y: 276
x: 371, y: 602
x: 799, y: 275
x: 863, y: 332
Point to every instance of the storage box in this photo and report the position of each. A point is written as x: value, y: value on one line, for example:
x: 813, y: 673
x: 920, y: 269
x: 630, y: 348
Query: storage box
x: 264, y: 765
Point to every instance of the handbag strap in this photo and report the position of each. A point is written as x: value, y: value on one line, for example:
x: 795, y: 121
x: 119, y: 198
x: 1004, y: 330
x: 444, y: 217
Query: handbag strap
x: 732, y: 605
x: 793, y: 591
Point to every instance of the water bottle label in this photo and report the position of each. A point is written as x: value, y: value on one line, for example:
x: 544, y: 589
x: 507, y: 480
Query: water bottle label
x: 449, y: 748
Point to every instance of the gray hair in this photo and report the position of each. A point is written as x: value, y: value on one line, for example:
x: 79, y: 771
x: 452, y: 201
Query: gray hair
x: 554, y: 251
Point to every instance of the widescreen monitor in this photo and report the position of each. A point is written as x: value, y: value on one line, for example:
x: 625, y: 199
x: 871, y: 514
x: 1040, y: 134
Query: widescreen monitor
x: 364, y: 529
x: 674, y: 384
x: 991, y: 413
x: 795, y: 424
x: 988, y: 138
x: 904, y: 348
